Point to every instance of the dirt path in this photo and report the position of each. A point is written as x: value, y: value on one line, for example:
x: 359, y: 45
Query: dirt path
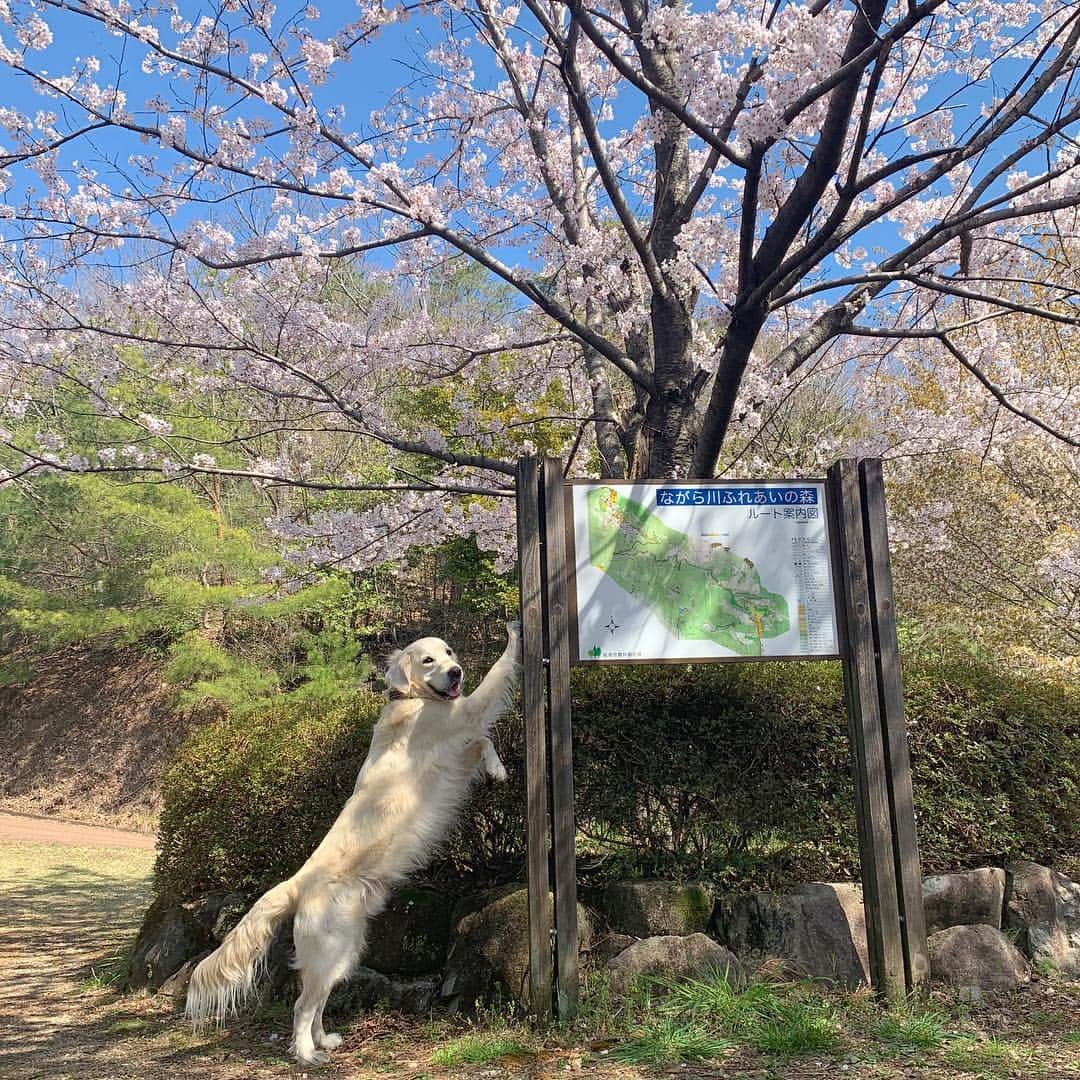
x: 29, y: 828
x: 67, y: 915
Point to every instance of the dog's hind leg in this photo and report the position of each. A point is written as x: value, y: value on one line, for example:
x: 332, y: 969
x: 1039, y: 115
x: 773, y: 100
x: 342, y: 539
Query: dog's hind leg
x: 316, y: 987
x: 331, y: 1040
x: 325, y: 954
x: 324, y: 1040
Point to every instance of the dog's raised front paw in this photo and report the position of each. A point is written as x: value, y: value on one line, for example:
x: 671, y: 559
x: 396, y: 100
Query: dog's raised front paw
x: 513, y: 628
x: 497, y: 772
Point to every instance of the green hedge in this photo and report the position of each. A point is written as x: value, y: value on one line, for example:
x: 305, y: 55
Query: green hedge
x: 734, y: 774
x: 248, y: 797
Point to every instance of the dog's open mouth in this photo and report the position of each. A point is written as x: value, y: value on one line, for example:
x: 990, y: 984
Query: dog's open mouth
x: 453, y: 690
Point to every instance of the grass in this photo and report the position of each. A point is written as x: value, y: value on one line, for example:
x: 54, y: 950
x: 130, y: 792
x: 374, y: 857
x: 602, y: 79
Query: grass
x: 108, y: 973
x: 480, y: 1049
x: 786, y: 1019
x: 129, y: 1026
x: 909, y: 1028
x: 773, y: 1024
x: 1046, y: 968
x: 26, y: 862
x: 799, y: 1027
x: 738, y: 1009
x: 87, y: 889
x: 992, y: 1058
x: 667, y: 1042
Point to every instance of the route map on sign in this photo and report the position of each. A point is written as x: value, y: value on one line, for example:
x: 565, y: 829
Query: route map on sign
x: 699, y: 590
x: 708, y: 571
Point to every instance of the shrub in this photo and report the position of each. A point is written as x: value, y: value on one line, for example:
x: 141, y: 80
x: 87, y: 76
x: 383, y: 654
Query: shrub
x: 248, y: 797
x: 734, y: 774
x: 740, y: 774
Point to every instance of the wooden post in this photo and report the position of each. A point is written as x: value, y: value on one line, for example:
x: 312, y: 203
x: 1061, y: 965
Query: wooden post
x: 532, y: 687
x: 562, y: 754
x: 897, y: 759
x: 873, y: 808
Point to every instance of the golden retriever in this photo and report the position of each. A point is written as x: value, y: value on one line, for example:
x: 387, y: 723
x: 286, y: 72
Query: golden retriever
x: 428, y: 744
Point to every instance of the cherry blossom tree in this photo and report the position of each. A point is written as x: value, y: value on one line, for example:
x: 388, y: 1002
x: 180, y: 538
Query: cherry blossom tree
x: 984, y: 505
x: 693, y: 213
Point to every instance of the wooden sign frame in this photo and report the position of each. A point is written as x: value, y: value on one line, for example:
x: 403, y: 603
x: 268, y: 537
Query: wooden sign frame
x: 868, y: 649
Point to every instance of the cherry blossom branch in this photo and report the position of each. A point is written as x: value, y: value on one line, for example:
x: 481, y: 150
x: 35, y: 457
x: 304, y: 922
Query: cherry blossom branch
x: 647, y: 87
x: 456, y: 239
x: 1001, y: 397
x: 579, y: 101
x: 185, y: 470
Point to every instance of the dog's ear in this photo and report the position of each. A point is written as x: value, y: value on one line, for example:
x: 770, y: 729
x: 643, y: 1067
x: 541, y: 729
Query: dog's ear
x: 398, y: 671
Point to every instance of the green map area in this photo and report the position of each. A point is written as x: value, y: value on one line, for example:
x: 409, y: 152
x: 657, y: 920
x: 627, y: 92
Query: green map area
x: 699, y: 590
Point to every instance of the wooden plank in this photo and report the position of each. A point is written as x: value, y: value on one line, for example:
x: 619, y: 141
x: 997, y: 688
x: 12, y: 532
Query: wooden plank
x: 897, y: 758
x: 562, y: 754
x: 868, y: 751
x: 532, y: 688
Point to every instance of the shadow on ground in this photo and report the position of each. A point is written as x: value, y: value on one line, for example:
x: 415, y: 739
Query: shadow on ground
x: 68, y: 915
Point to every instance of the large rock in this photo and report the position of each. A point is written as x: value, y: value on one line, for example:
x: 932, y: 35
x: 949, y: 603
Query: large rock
x: 818, y: 929
x: 652, y: 908
x: 176, y: 985
x: 169, y: 936
x: 176, y: 934
x: 976, y: 959
x: 412, y: 934
x: 1043, y: 906
x: 368, y: 989
x: 671, y: 956
x: 603, y: 949
x: 219, y: 912
x: 977, y: 896
x: 489, y: 950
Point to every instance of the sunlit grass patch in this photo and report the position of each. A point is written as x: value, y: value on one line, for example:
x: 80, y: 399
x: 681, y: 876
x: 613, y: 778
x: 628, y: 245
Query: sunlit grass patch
x: 130, y: 1026
x: 911, y: 1027
x: 739, y: 1010
x: 799, y: 1027
x: 992, y: 1058
x: 480, y: 1048
x: 784, y: 1019
x: 108, y: 973
x: 665, y: 1041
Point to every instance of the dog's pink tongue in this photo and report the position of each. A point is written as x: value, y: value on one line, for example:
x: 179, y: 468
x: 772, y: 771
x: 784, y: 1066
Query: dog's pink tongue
x: 454, y: 691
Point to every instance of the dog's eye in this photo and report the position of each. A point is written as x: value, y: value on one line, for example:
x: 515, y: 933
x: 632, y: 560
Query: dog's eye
x: 450, y: 653
x: 429, y: 659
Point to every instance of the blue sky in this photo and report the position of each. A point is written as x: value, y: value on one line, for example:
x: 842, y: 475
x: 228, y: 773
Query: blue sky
x: 361, y: 85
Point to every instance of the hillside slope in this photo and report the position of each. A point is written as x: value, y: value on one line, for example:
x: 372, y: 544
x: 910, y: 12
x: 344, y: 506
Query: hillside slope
x: 88, y: 736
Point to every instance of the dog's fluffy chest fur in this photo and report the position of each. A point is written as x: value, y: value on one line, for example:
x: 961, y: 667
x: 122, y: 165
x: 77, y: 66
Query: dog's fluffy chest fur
x: 419, y: 764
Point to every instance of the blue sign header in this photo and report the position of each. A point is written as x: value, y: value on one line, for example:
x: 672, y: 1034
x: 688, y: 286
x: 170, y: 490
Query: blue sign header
x: 737, y: 495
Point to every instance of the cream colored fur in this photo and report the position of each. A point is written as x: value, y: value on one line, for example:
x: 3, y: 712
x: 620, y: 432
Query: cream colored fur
x: 428, y: 744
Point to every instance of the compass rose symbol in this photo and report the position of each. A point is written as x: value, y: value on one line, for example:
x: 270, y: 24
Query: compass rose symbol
x: 612, y: 625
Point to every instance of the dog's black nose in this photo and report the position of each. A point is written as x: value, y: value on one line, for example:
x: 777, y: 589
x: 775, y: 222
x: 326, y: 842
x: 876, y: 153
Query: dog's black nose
x: 454, y: 673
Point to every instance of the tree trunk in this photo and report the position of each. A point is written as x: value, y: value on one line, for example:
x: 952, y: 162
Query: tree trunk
x: 669, y: 429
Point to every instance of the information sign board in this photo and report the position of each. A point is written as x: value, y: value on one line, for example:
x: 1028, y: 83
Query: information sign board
x: 667, y: 571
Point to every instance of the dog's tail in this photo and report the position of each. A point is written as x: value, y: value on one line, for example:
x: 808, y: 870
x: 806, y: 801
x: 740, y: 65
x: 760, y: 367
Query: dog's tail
x: 223, y: 980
